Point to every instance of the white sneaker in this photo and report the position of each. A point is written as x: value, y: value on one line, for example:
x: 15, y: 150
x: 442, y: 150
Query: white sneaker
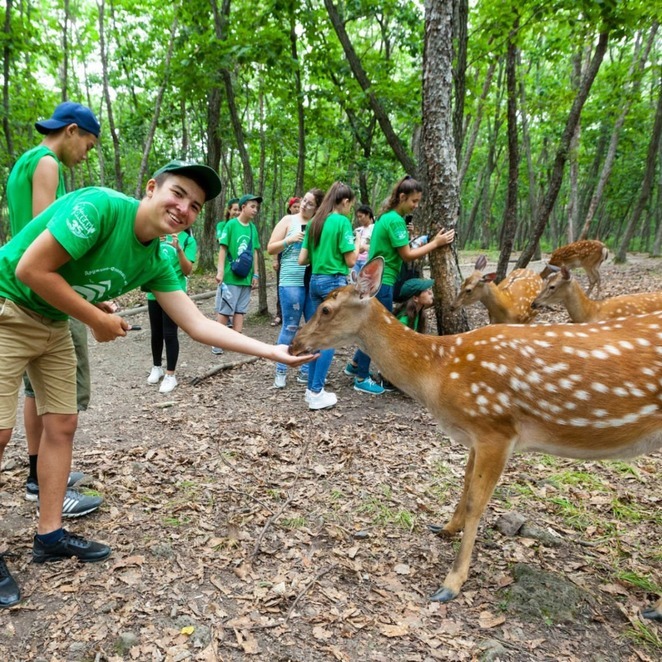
x: 321, y: 400
x: 217, y: 350
x: 155, y: 375
x: 169, y: 383
x: 307, y: 395
x: 279, y: 382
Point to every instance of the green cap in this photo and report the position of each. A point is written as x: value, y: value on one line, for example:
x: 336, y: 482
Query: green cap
x: 233, y: 201
x: 204, y: 176
x: 414, y: 286
x: 247, y: 198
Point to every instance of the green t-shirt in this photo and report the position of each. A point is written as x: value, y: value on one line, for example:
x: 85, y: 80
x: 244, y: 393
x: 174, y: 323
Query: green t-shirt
x: 219, y: 230
x: 189, y: 245
x: 236, y: 237
x: 389, y: 234
x: 337, y: 238
x: 19, y: 187
x: 96, y: 227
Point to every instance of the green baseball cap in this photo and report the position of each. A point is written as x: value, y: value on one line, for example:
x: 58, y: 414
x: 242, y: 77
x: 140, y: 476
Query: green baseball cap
x: 414, y: 286
x: 205, y: 177
x: 247, y: 198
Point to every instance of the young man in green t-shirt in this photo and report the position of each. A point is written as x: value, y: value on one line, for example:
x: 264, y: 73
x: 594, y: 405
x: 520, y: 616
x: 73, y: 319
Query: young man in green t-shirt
x: 35, y: 182
x: 86, y: 248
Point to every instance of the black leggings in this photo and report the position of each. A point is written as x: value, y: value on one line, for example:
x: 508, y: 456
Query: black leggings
x: 163, y: 330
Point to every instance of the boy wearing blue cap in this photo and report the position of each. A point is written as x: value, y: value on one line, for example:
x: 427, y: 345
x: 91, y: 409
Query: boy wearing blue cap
x: 35, y: 182
x: 86, y: 248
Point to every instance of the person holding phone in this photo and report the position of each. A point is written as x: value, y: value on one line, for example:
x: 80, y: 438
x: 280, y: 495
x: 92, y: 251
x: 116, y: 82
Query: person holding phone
x: 285, y: 242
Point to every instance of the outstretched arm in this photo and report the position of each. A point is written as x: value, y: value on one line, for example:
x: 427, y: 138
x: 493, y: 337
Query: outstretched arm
x: 185, y: 314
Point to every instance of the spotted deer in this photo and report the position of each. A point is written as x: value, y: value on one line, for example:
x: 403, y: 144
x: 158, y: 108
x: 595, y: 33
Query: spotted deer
x: 588, y: 392
x: 587, y: 253
x: 509, y: 302
x: 562, y: 288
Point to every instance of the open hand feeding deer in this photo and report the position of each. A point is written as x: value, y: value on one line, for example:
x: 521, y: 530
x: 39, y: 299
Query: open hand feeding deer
x: 590, y: 392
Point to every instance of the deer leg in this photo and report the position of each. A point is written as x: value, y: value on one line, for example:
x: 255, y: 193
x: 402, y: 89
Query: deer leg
x: 490, y: 458
x: 593, y: 280
x: 457, y: 521
x: 654, y: 612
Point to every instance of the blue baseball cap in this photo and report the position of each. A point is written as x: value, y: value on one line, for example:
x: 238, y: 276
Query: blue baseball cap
x: 68, y: 113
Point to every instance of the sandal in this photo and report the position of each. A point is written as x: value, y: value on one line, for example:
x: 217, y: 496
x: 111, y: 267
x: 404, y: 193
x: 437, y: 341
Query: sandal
x: 276, y: 320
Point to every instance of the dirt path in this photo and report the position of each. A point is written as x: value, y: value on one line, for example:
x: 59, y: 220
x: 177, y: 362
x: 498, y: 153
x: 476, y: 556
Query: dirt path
x: 244, y: 525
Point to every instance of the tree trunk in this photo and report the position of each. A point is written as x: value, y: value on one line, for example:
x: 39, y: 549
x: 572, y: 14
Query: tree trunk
x: 466, y: 159
x: 301, y: 127
x: 64, y: 79
x: 510, y: 220
x: 157, y: 110
x: 647, y: 183
x: 119, y: 179
x: 573, y: 197
x: 562, y: 151
x: 440, y: 162
x: 6, y: 66
x: 616, y: 133
x: 357, y: 69
x: 460, y: 42
x: 657, y: 244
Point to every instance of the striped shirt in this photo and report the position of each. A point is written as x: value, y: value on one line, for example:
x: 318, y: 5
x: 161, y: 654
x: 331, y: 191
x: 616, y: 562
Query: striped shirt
x: 291, y: 272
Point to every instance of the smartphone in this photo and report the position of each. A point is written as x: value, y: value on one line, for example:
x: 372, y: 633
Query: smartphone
x: 303, y: 227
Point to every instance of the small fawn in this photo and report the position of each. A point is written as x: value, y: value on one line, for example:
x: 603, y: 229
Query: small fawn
x: 562, y: 288
x: 509, y: 302
x: 588, y: 392
x: 587, y: 253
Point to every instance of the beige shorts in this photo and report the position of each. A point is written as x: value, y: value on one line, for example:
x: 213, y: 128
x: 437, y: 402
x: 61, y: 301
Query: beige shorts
x: 44, y: 348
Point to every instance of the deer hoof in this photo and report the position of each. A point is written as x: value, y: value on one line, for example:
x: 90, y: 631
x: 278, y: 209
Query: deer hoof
x: 437, y: 529
x: 443, y: 595
x: 652, y: 613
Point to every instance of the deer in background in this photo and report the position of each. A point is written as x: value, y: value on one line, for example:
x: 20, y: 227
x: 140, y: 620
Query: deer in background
x: 509, y: 302
x: 587, y: 253
x: 591, y: 392
x: 562, y: 288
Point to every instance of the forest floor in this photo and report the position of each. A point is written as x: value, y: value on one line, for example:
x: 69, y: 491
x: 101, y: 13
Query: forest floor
x: 245, y: 526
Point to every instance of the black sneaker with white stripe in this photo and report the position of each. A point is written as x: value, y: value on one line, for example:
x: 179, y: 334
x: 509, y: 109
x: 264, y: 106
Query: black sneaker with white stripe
x: 69, y: 545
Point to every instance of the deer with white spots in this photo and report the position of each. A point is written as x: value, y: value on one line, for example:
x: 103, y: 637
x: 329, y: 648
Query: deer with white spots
x: 562, y: 288
x: 509, y: 302
x: 587, y: 253
x: 589, y: 392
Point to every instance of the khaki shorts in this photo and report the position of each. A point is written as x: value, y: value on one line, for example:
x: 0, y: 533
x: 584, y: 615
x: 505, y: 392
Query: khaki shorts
x: 83, y: 383
x: 43, y: 347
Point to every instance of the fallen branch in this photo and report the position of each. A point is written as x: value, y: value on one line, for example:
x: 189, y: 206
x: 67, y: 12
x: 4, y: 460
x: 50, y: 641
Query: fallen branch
x: 224, y: 366
x: 307, y: 587
x: 273, y: 518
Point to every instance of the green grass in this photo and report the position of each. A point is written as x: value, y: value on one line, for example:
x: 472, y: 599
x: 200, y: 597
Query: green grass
x: 583, y: 479
x: 644, y: 583
x: 293, y: 522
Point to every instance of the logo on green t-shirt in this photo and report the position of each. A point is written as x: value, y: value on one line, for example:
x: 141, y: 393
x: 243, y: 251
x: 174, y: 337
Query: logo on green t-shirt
x: 79, y: 222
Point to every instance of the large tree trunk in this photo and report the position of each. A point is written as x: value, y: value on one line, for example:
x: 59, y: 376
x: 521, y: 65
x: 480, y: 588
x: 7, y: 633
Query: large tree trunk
x: 616, y: 132
x: 392, y: 138
x: 119, y: 179
x: 442, y: 204
x: 510, y: 220
x: 562, y: 151
x: 657, y: 244
x: 644, y: 192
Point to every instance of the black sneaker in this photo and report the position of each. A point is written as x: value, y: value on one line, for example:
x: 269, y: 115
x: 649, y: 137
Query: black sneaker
x: 69, y: 545
x: 10, y: 594
x: 32, y: 486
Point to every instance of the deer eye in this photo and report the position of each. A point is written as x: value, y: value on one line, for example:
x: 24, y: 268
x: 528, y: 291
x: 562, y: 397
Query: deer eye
x: 325, y: 310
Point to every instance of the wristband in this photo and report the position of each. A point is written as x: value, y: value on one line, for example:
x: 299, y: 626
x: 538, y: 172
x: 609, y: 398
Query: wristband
x: 256, y: 276
x: 285, y: 242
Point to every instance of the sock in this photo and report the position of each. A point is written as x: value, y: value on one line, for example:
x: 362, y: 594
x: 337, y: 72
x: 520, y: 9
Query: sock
x: 33, y: 467
x: 50, y: 538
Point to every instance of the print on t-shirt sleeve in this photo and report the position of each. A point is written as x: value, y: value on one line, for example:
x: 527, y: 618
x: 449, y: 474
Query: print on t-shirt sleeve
x: 77, y: 226
x: 398, y: 233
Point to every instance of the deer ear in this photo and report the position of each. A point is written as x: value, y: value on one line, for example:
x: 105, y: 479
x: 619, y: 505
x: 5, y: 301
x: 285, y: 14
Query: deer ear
x: 481, y: 263
x: 488, y: 278
x: 565, y: 273
x: 370, y: 278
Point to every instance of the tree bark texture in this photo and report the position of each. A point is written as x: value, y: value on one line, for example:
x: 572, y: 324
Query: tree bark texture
x: 562, y: 151
x: 6, y: 66
x: 510, y: 219
x: 442, y: 204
